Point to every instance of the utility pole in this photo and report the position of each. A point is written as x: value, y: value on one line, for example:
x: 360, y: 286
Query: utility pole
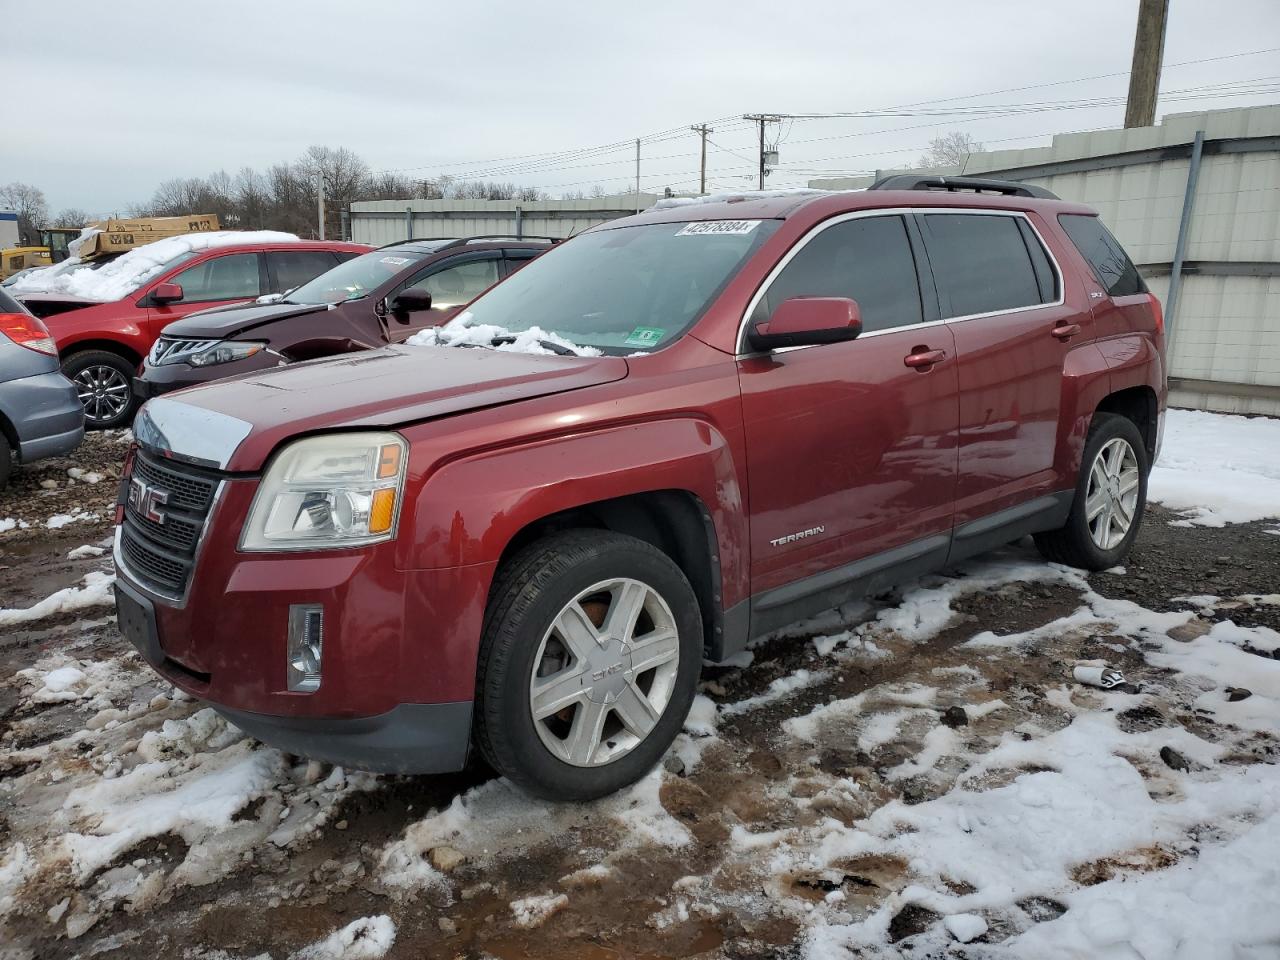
x: 761, y: 119
x: 1148, y: 54
x: 320, y: 201
x: 703, y: 129
x: 637, y: 175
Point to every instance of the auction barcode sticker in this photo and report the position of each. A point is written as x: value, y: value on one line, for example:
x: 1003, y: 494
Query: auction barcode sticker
x: 717, y: 226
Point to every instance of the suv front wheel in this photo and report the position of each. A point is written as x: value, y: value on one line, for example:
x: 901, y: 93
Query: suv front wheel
x: 104, y: 382
x: 1110, y: 499
x: 588, y: 664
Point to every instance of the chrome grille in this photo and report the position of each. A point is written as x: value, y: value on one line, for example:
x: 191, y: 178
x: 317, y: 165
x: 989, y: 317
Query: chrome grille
x: 160, y: 549
x: 176, y: 349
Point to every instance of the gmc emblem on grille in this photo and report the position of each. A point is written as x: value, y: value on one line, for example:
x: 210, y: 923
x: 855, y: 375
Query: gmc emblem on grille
x: 147, y: 500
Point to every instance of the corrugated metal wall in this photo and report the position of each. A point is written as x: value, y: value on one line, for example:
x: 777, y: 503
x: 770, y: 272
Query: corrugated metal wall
x: 1226, y: 334
x: 379, y: 222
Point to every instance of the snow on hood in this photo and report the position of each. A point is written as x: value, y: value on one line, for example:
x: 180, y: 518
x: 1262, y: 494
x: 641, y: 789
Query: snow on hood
x: 458, y: 333
x: 121, y: 277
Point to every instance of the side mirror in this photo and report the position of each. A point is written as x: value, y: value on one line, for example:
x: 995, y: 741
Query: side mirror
x: 802, y: 321
x: 166, y: 293
x: 411, y: 300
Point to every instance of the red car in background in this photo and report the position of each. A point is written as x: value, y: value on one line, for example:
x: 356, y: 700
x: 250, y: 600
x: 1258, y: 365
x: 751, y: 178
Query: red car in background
x: 102, y: 338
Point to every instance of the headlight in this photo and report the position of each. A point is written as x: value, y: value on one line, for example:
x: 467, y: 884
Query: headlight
x: 338, y: 490
x: 223, y: 352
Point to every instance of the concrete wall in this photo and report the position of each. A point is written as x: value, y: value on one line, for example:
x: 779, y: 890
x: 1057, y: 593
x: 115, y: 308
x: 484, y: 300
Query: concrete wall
x: 1225, y: 339
x: 379, y: 222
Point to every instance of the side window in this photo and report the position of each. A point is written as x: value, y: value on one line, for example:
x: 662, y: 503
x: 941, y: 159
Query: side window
x: 458, y: 285
x: 515, y: 263
x: 293, y: 268
x: 222, y: 278
x: 868, y: 260
x: 981, y: 264
x: 1046, y: 279
x: 1111, y: 265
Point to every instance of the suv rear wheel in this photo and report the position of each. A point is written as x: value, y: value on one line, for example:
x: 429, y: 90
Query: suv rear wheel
x: 588, y: 663
x: 1111, y: 496
x: 104, y: 381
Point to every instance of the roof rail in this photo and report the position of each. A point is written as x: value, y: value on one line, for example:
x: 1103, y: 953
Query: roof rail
x: 450, y: 242
x: 493, y: 237
x: 1009, y: 188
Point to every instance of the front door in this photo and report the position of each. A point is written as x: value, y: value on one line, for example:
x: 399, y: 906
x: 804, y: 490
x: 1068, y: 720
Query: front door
x: 850, y: 450
x: 215, y: 281
x: 452, y: 285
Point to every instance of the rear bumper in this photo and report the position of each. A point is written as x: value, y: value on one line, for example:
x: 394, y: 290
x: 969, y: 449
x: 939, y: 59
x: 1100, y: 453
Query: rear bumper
x: 46, y: 413
x: 412, y: 738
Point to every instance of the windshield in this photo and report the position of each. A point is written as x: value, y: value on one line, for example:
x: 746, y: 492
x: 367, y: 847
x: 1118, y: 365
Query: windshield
x: 355, y: 278
x: 624, y: 290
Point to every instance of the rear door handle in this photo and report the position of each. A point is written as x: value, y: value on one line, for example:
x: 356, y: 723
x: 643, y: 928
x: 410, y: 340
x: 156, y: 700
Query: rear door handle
x: 1065, y: 331
x: 922, y: 358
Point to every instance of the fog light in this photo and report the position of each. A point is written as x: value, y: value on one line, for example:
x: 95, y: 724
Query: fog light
x: 306, y: 640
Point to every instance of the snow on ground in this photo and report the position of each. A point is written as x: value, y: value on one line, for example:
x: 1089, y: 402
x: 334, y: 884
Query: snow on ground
x: 368, y: 938
x: 60, y: 520
x: 144, y: 770
x: 1218, y: 469
x: 913, y: 793
x: 95, y: 592
x: 122, y: 276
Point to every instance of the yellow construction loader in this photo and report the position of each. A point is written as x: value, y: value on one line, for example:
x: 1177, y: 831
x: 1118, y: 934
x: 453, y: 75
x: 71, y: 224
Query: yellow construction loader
x: 52, y: 249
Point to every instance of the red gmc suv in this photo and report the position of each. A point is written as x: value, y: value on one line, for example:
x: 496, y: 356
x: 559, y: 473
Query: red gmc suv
x: 736, y: 414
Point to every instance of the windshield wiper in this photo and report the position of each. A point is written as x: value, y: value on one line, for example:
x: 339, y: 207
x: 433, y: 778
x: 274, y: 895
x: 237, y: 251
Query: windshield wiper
x: 556, y: 348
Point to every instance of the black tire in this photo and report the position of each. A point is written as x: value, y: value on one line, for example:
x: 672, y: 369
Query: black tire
x: 1073, y: 543
x: 529, y: 592
x: 6, y: 460
x: 101, y: 364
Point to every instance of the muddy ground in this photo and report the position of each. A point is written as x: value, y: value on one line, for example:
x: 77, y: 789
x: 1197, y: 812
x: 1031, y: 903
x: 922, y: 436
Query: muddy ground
x: 708, y: 897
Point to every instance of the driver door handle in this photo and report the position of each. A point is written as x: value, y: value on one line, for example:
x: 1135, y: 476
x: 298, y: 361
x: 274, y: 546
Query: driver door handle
x: 922, y: 358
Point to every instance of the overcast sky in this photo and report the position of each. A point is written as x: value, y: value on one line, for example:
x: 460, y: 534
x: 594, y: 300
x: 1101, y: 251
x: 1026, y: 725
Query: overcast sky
x: 107, y: 99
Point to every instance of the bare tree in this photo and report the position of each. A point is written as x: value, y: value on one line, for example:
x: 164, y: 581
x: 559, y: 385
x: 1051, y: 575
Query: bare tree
x: 951, y: 150
x: 343, y: 171
x: 70, y: 217
x: 29, y: 204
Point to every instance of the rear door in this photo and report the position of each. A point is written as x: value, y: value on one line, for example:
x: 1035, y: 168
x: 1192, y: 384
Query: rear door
x: 213, y: 281
x: 1001, y: 294
x: 287, y: 269
x: 850, y: 451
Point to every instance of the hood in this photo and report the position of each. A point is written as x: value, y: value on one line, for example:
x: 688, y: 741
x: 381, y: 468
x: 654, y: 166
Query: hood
x: 377, y: 388
x: 51, y: 304
x: 222, y: 322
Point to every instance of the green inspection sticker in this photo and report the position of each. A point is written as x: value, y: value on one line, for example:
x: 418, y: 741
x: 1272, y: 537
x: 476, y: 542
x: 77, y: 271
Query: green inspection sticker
x: 644, y: 337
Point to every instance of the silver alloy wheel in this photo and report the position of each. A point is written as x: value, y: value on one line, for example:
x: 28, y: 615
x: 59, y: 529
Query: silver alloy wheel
x: 104, y: 391
x: 604, y: 672
x: 1111, y: 499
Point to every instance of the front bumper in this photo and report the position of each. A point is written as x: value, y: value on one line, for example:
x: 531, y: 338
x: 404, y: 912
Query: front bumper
x: 412, y: 738
x: 400, y: 646
x: 46, y: 413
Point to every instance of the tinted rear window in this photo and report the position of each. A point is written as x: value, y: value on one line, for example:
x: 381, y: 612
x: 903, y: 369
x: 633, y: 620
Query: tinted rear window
x: 1111, y: 265
x: 293, y: 268
x: 981, y: 264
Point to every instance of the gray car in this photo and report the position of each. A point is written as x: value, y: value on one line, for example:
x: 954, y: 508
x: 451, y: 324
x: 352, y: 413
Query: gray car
x: 40, y: 411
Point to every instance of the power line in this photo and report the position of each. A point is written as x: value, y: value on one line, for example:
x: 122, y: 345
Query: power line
x: 555, y: 160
